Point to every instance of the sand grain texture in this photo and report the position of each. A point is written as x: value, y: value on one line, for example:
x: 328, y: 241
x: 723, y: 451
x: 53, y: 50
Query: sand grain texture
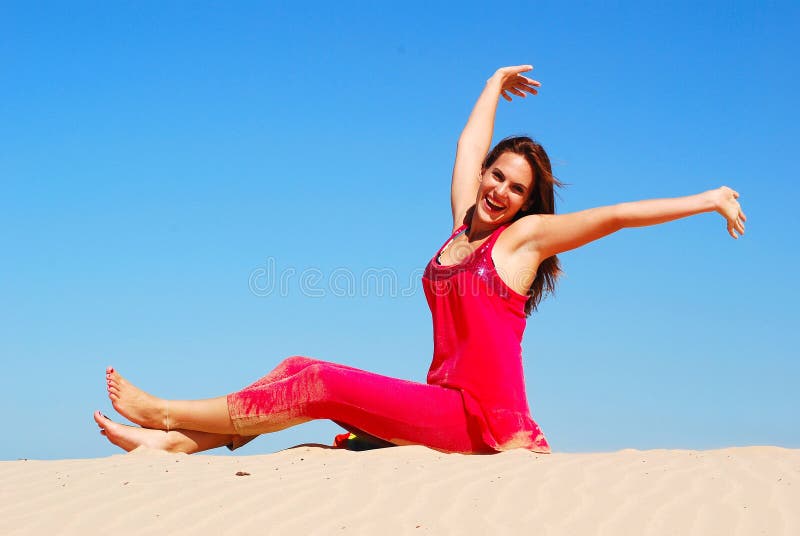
x: 408, y: 490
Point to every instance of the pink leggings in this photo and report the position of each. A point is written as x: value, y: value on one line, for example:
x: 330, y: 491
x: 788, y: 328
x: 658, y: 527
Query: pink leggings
x: 402, y: 412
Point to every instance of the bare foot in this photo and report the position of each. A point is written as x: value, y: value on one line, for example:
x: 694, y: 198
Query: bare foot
x: 130, y: 437
x: 134, y: 404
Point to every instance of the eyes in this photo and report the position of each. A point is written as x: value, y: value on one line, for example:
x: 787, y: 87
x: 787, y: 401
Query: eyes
x: 517, y: 188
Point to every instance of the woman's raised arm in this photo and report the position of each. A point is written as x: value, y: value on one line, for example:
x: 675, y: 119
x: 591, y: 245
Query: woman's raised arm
x: 476, y: 138
x: 553, y: 234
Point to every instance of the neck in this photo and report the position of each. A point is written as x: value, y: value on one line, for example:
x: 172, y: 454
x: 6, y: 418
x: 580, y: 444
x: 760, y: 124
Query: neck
x: 478, y: 230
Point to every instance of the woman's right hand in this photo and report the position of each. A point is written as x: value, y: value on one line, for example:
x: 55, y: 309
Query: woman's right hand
x: 511, y: 80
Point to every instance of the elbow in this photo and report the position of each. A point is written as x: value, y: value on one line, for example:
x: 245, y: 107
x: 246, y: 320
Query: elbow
x: 474, y: 138
x: 619, y: 217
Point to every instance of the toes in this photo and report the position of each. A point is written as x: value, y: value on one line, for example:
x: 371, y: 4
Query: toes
x: 100, y: 419
x: 112, y: 375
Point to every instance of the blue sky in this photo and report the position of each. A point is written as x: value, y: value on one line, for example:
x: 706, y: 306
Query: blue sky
x: 155, y: 159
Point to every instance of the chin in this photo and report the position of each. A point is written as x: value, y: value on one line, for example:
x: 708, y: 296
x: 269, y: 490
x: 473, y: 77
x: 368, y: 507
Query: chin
x: 494, y: 220
x: 498, y: 219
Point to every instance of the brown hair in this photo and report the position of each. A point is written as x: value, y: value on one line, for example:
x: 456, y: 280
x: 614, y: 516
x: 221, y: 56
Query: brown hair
x: 542, y: 198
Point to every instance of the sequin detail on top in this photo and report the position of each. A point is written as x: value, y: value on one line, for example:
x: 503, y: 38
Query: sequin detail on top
x: 480, y: 262
x: 478, y: 323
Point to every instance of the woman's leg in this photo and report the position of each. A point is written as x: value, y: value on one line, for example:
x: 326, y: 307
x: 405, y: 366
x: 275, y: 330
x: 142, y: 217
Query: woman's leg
x: 186, y: 441
x: 398, y: 411
x: 209, y: 415
x: 301, y: 389
x: 149, y: 411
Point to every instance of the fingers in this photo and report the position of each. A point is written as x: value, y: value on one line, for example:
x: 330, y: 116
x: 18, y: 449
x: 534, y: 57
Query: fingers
x: 519, y: 87
x: 740, y: 219
x: 522, y: 81
x: 526, y: 87
x: 735, y: 226
x: 514, y: 70
x: 732, y: 211
x: 529, y: 81
x: 511, y: 77
x: 520, y: 68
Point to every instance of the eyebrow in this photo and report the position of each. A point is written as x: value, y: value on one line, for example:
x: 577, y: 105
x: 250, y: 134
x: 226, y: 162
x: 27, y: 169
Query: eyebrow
x: 503, y: 175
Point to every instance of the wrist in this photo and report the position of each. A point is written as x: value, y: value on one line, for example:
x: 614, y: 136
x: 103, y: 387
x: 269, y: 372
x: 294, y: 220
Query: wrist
x: 711, y: 200
x: 495, y: 80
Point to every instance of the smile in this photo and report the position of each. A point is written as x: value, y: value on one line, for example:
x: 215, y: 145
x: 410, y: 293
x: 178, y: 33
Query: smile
x: 492, y: 207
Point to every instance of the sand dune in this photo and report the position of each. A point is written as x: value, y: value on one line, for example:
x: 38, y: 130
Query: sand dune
x: 408, y: 490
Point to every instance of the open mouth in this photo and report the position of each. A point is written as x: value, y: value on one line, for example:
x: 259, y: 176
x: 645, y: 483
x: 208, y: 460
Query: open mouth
x: 492, y: 207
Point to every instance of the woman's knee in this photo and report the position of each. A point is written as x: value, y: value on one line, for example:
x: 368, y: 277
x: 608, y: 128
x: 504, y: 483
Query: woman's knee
x: 296, y: 362
x: 321, y: 382
x: 285, y: 369
x: 292, y: 365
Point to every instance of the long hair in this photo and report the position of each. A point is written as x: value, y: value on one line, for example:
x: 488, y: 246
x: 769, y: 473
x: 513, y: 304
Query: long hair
x: 542, y: 197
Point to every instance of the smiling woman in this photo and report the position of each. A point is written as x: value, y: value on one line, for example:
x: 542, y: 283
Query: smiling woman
x: 480, y: 286
x: 515, y: 180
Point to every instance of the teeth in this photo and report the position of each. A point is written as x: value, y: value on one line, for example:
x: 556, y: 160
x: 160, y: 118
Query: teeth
x: 493, y: 206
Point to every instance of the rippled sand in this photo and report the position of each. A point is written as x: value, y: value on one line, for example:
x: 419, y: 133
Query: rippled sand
x: 408, y: 490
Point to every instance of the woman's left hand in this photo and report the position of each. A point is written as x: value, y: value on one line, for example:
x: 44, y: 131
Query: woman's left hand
x: 726, y: 204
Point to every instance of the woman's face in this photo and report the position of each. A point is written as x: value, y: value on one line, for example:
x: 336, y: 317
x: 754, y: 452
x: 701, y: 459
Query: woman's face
x: 504, y: 190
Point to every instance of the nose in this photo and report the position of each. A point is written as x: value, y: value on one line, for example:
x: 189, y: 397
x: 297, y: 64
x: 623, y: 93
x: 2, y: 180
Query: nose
x: 501, y: 190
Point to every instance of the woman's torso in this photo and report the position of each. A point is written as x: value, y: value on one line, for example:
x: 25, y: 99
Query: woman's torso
x: 515, y: 266
x: 478, y: 323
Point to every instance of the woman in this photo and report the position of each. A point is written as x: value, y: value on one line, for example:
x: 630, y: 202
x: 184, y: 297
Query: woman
x: 480, y: 286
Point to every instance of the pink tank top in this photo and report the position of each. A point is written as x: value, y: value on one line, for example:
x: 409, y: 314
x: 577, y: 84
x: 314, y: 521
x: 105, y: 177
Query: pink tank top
x: 478, y: 322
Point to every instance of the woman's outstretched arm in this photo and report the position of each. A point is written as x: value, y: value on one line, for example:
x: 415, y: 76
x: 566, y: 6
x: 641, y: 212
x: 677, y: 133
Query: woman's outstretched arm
x: 553, y: 234
x: 476, y: 138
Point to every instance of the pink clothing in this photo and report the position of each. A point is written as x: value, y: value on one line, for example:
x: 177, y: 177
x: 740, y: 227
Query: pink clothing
x: 473, y: 402
x: 478, y: 322
x: 398, y: 411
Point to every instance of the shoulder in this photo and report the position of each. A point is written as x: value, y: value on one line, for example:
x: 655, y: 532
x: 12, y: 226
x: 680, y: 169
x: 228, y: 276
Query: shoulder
x: 523, y: 233
x: 516, y: 256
